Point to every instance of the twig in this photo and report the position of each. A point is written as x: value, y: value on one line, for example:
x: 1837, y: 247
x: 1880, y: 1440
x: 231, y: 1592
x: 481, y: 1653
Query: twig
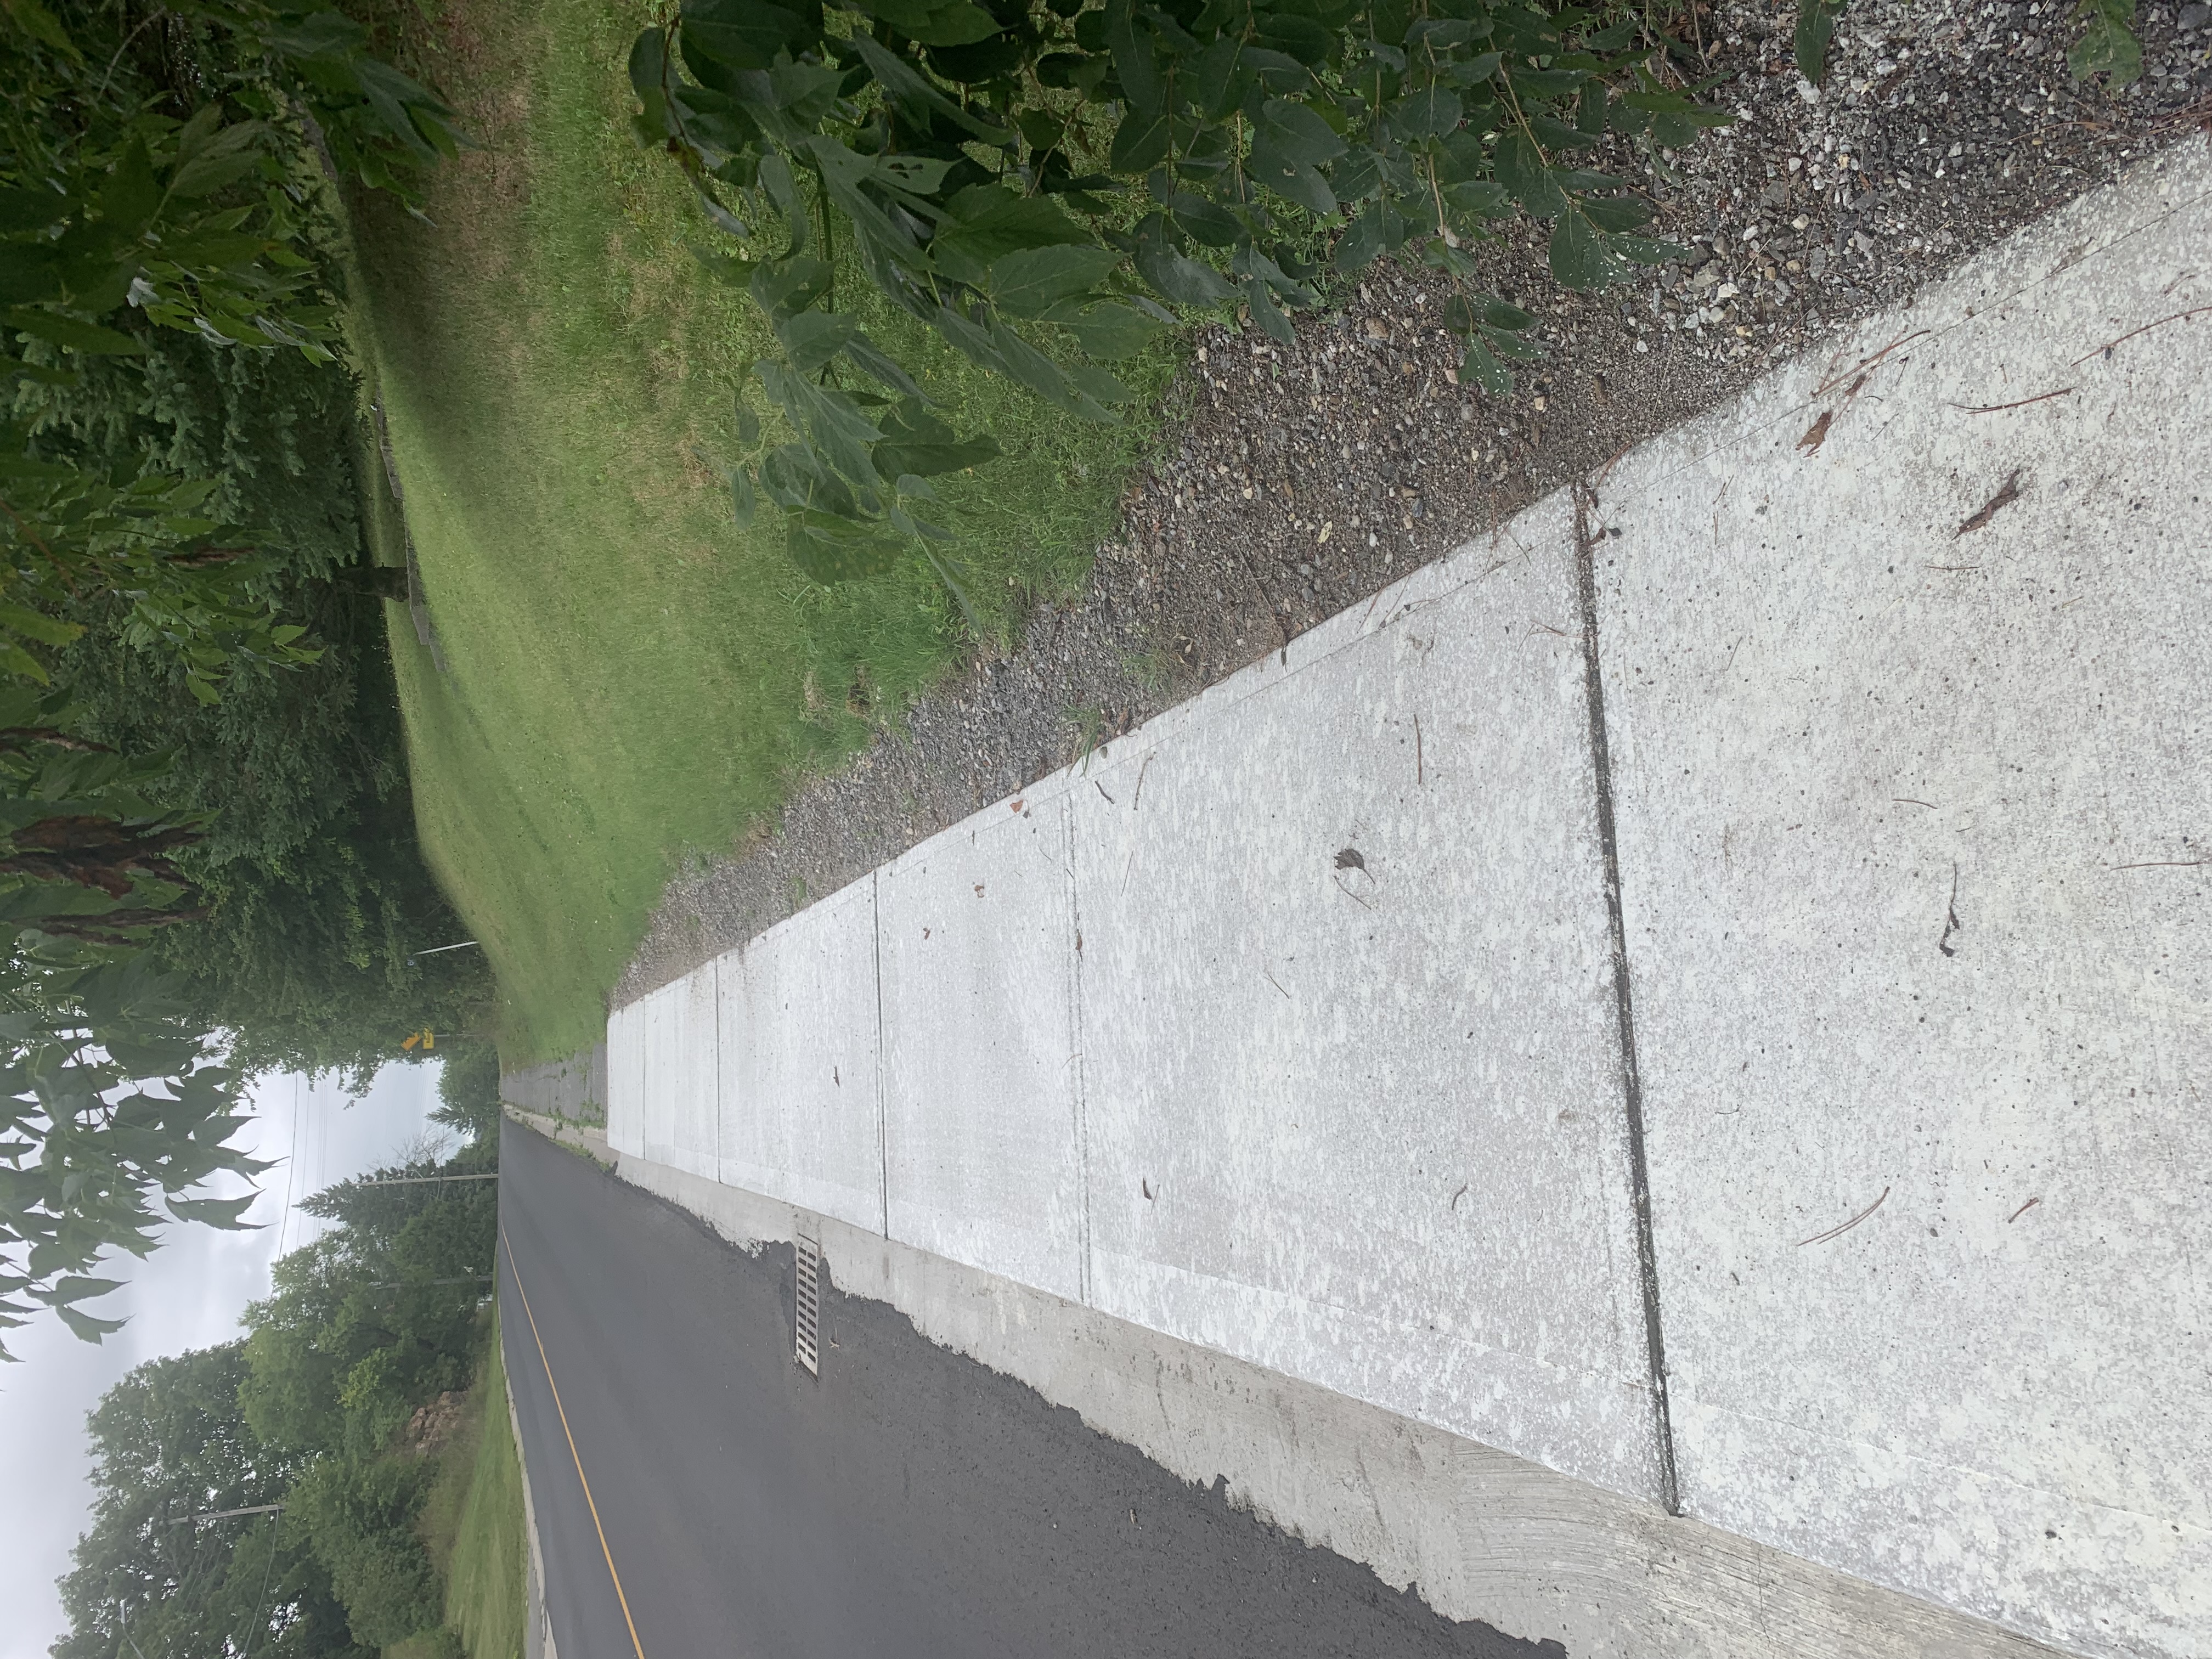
x: 1349, y: 894
x: 1101, y: 788
x: 1837, y: 1232
x: 1993, y: 409
x: 2162, y: 864
x: 2023, y: 1209
x: 2005, y: 497
x: 1907, y: 800
x: 1457, y: 1196
x: 1868, y: 362
x: 2104, y: 349
x: 1273, y: 981
x: 1139, y: 794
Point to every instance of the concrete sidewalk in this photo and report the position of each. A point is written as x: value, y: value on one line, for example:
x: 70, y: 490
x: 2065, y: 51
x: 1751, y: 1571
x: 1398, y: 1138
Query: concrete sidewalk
x: 1707, y: 990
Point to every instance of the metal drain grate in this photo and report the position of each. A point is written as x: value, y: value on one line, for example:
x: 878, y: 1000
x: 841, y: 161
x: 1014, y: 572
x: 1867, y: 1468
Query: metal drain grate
x: 807, y: 1344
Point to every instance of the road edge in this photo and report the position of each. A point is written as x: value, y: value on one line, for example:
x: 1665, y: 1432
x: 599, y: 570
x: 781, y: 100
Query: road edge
x: 1477, y: 1533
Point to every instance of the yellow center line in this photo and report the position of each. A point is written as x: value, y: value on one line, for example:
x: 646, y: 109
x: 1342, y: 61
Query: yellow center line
x: 516, y: 1268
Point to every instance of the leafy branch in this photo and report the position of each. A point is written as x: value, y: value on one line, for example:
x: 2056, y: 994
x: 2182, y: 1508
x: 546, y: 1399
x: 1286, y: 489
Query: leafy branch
x: 1221, y: 134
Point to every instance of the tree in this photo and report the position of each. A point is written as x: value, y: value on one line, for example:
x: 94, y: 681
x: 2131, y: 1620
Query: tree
x: 376, y: 1317
x: 155, y: 167
x: 170, y: 1444
x: 468, y: 1093
x: 124, y: 1107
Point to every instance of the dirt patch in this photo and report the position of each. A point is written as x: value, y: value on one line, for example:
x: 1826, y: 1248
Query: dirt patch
x: 1300, y: 479
x: 433, y: 1426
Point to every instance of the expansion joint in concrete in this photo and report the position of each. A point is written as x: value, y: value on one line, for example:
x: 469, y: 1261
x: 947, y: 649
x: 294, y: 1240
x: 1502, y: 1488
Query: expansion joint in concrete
x: 883, y: 1071
x: 1075, y: 1061
x: 1632, y: 1083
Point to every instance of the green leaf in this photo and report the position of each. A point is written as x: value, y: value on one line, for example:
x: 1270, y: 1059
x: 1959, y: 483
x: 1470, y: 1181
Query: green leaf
x: 87, y: 1328
x: 1580, y: 258
x: 783, y: 190
x: 983, y: 223
x: 955, y: 25
x: 1816, y: 25
x: 2108, y: 45
x: 1430, y: 112
x: 221, y: 1213
x: 132, y: 194
x: 831, y: 552
x: 812, y: 337
x: 1296, y: 133
x: 1110, y: 330
x: 1142, y: 141
x: 35, y: 625
x: 1485, y: 370
x: 1288, y: 180
x: 228, y: 156
x: 744, y: 34
x: 63, y: 1291
x: 1100, y: 386
x: 745, y: 501
x: 1178, y: 278
x: 1363, y: 241
x: 1522, y: 169
x: 35, y: 21
x: 1029, y: 282
x: 72, y: 334
x: 1621, y: 214
x: 1267, y: 313
x: 904, y: 86
x: 1300, y: 38
x: 783, y: 287
x: 1207, y: 222
x: 1028, y: 366
x: 1133, y: 60
x: 872, y: 360
x: 918, y: 444
x: 14, y: 659
x: 22, y: 210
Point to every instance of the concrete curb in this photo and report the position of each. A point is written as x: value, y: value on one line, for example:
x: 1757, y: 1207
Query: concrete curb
x: 1478, y: 1534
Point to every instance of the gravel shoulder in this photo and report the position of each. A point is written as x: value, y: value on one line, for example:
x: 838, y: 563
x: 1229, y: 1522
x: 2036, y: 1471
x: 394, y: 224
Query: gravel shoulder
x: 1298, y: 480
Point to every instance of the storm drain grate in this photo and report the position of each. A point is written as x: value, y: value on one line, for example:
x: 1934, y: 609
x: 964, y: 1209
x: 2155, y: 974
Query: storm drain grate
x: 807, y: 1346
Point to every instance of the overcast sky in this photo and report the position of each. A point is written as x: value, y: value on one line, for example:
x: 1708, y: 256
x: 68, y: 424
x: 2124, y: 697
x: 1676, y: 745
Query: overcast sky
x: 188, y: 1294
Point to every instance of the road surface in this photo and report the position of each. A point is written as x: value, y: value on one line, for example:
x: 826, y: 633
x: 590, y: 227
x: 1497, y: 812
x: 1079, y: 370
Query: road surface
x: 911, y: 1502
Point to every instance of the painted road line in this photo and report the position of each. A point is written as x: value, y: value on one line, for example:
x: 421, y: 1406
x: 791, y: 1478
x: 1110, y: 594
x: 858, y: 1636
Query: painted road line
x: 514, y: 1267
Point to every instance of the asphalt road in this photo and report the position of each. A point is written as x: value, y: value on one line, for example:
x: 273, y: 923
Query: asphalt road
x: 911, y: 1502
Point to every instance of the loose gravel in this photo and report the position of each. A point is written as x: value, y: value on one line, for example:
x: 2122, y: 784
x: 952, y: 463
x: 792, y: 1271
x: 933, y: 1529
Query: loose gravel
x: 1297, y: 480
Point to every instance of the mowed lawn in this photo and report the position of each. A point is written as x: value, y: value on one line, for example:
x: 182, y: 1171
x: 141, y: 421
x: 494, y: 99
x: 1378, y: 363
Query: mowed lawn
x: 630, y: 680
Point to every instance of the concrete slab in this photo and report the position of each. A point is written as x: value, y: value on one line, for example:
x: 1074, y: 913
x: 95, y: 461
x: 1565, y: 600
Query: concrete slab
x: 682, y: 1073
x: 626, y: 1078
x: 1352, y: 1084
x: 1912, y: 742
x: 802, y: 1116
x: 980, y: 1152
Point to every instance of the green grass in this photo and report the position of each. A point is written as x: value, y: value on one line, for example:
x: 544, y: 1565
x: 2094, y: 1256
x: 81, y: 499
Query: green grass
x: 472, y: 1521
x: 632, y: 680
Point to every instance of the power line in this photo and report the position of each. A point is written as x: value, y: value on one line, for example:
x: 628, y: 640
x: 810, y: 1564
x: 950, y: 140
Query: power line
x: 291, y: 1164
